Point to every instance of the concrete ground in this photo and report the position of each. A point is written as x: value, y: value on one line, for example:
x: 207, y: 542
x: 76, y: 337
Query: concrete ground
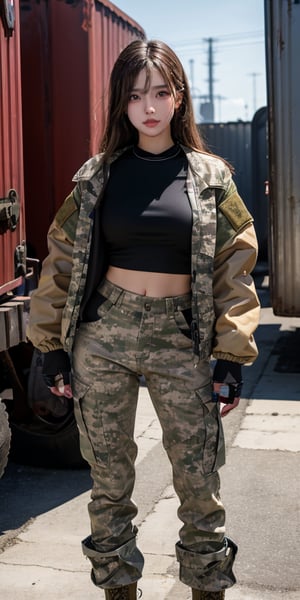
x: 44, y: 517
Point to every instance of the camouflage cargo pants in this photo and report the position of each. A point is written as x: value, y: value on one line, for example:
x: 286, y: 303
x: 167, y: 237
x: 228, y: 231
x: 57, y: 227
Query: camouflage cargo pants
x: 137, y: 335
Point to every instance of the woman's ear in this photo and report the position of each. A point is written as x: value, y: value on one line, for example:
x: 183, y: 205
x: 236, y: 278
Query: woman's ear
x: 178, y: 100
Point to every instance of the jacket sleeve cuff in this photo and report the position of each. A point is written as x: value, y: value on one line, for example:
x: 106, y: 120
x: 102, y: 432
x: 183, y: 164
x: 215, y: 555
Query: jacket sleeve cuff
x: 242, y: 360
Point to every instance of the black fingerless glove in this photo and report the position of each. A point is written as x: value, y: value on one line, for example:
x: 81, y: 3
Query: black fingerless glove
x: 56, y: 363
x: 230, y: 373
x: 226, y: 371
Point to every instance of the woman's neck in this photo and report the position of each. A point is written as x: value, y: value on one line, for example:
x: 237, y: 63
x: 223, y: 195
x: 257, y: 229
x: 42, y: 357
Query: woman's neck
x: 155, y: 145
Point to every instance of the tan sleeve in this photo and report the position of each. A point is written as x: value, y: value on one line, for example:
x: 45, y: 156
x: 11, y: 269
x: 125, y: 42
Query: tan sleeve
x: 236, y: 303
x: 48, y: 300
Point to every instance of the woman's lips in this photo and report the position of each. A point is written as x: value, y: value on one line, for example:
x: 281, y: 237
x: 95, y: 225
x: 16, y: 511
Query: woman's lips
x: 150, y: 122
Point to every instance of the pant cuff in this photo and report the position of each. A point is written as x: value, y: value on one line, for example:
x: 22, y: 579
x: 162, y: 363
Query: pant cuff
x: 207, y: 571
x: 121, y: 566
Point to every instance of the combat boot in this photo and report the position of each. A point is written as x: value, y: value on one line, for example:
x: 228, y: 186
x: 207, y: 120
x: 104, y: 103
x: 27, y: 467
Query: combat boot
x: 125, y: 592
x: 203, y: 595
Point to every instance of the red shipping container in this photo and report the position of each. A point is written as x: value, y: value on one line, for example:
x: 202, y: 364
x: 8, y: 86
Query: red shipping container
x: 12, y: 228
x: 68, y: 49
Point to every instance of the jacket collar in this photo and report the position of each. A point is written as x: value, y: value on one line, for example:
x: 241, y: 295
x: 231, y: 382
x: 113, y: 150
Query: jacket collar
x: 93, y: 165
x: 209, y: 170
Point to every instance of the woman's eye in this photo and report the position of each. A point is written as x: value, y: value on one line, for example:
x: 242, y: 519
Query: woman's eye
x: 163, y: 93
x: 133, y: 97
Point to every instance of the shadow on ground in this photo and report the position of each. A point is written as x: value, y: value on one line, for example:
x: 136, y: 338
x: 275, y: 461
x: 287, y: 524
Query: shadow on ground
x: 27, y: 492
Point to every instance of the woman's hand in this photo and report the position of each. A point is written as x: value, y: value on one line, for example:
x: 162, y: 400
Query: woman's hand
x: 225, y: 408
x: 61, y: 389
x: 229, y: 374
x: 56, y: 372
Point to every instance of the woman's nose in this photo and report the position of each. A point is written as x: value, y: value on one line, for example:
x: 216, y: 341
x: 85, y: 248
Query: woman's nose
x: 149, y: 108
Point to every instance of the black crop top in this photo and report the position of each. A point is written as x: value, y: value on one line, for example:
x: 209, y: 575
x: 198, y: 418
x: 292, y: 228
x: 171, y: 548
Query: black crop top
x: 146, y: 214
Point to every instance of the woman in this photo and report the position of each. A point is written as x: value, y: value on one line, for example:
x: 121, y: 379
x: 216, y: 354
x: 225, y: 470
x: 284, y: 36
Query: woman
x: 148, y: 273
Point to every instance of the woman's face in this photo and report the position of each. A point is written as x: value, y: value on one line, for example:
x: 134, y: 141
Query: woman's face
x: 151, y: 112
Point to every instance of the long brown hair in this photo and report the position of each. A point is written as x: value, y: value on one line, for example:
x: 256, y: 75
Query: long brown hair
x: 138, y: 55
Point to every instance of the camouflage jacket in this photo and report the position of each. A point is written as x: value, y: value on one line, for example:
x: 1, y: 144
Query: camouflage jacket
x: 224, y: 250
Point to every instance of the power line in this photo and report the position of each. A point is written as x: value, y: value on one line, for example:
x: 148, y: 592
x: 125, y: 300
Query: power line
x: 200, y: 46
x: 211, y: 47
x: 223, y: 38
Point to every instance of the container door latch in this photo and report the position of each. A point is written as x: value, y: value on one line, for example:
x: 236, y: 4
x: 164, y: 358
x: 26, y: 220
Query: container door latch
x: 9, y: 212
x: 7, y: 13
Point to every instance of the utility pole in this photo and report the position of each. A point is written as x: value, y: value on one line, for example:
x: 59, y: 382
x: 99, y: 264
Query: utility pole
x: 207, y: 108
x: 191, y: 61
x: 254, y: 76
x: 210, y: 72
x: 207, y: 101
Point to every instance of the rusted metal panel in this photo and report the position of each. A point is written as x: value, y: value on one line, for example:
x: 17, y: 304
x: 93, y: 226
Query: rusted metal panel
x: 109, y: 32
x: 68, y: 49
x: 283, y: 85
x: 11, y: 150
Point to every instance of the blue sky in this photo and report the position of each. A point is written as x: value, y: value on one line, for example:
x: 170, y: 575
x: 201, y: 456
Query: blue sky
x: 237, y: 30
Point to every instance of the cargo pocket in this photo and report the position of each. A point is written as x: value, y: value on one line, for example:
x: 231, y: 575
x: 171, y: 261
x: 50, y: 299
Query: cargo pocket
x: 214, y: 441
x: 86, y: 447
